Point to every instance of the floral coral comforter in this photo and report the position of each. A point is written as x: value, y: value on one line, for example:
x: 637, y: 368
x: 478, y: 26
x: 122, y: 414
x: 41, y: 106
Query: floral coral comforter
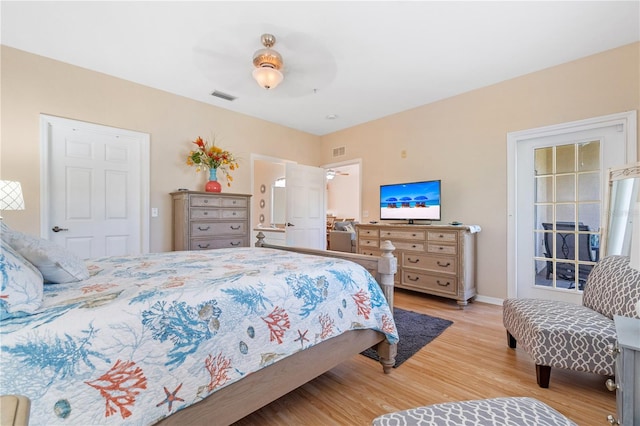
x: 148, y: 335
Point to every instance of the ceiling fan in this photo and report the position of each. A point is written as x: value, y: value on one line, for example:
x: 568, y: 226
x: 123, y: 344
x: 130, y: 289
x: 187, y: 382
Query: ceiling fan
x: 333, y: 173
x: 227, y: 57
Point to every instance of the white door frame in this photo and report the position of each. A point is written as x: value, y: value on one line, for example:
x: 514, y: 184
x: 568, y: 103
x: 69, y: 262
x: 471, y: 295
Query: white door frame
x: 627, y: 119
x: 45, y: 122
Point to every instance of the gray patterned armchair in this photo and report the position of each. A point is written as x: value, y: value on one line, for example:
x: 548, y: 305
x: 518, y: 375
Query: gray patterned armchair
x: 565, y: 335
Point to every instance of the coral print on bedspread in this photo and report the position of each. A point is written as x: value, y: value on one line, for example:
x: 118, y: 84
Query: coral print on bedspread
x: 148, y: 335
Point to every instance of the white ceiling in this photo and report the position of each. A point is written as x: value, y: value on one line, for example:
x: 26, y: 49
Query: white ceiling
x: 358, y: 60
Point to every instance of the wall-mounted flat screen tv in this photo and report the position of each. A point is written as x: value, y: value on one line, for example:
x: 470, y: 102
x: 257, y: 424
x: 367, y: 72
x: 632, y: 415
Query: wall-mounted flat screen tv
x: 411, y: 201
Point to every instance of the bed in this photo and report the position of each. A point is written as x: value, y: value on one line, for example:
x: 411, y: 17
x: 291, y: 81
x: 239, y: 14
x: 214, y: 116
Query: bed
x: 187, y: 337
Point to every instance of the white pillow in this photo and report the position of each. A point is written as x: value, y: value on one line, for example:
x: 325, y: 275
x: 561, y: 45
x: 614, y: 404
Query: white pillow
x: 56, y: 263
x: 5, y: 231
x: 21, y: 287
x: 349, y: 228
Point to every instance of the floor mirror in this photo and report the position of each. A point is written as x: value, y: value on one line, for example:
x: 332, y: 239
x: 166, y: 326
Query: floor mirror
x: 621, y: 235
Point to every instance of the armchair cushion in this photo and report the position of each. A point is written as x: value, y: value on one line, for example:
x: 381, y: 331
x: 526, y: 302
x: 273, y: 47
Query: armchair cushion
x: 613, y: 288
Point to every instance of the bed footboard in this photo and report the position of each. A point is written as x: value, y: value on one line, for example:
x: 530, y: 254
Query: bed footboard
x: 383, y: 268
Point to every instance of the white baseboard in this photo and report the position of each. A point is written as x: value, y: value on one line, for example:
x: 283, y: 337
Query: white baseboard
x: 490, y: 300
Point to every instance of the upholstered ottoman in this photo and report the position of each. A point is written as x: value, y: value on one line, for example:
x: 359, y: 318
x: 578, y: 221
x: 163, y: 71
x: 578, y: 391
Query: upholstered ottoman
x: 484, y: 412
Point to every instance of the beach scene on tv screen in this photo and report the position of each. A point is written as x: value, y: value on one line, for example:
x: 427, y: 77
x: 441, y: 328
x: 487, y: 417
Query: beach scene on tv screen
x: 410, y: 201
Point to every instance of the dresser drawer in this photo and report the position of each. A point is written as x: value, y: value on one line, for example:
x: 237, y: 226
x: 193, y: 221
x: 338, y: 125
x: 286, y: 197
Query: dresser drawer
x: 368, y: 243
x: 204, y: 213
x: 403, y: 235
x: 441, y: 248
x: 448, y: 237
x: 370, y: 252
x: 434, y: 283
x: 429, y: 263
x: 218, y: 243
x: 234, y: 202
x: 405, y: 245
x: 234, y: 214
x: 368, y: 232
x: 205, y: 201
x: 201, y: 229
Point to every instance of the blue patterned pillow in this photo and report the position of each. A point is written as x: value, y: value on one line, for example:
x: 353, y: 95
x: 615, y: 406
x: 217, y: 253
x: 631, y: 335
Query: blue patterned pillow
x: 21, y: 287
x: 56, y: 263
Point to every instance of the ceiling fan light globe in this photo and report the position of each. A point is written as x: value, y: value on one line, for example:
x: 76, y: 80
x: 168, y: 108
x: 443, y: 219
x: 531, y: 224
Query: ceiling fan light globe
x: 267, y: 78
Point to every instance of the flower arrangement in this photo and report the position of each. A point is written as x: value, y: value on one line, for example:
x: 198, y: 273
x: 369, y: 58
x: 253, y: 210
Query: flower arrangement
x: 210, y: 156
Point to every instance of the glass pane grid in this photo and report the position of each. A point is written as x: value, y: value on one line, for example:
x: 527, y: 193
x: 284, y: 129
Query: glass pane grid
x: 567, y: 215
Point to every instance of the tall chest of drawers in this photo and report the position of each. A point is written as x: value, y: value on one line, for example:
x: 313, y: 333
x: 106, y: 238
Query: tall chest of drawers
x: 205, y: 220
x: 433, y: 259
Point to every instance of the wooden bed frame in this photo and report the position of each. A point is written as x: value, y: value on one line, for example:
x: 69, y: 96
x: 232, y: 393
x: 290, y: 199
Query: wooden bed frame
x: 258, y: 389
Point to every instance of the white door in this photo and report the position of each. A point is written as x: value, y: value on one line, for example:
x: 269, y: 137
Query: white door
x: 560, y: 184
x: 94, y: 188
x: 306, y: 206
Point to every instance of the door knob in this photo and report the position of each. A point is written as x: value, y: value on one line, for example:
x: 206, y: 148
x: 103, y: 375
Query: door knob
x: 58, y: 229
x: 290, y: 224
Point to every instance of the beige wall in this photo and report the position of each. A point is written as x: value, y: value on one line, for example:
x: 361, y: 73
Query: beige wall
x: 32, y: 85
x: 462, y: 140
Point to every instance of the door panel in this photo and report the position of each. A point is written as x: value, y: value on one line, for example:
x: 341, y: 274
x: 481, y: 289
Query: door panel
x: 305, y: 194
x: 95, y: 186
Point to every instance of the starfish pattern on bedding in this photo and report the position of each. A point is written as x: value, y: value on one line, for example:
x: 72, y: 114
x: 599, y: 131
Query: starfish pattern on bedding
x: 171, y: 397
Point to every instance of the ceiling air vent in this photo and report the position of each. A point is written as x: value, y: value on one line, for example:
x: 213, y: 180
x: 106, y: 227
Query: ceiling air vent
x: 339, y: 151
x: 223, y: 95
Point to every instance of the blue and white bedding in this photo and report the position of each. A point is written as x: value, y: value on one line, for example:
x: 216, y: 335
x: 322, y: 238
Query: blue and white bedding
x: 148, y: 335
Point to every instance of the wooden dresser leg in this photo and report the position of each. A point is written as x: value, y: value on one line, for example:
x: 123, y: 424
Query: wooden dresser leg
x: 511, y: 341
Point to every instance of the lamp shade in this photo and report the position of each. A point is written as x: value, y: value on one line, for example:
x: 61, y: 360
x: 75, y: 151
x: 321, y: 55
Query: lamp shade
x: 267, y: 77
x: 11, y: 195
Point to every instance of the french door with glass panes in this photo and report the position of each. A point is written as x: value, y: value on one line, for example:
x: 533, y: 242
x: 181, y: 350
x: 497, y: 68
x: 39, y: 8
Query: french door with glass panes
x: 567, y: 211
x: 559, y: 191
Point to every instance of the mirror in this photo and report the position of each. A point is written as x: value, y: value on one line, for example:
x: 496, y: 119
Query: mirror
x: 622, y: 231
x: 278, y: 205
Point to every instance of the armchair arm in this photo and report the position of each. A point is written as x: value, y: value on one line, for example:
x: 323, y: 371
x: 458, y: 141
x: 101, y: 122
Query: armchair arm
x: 342, y: 241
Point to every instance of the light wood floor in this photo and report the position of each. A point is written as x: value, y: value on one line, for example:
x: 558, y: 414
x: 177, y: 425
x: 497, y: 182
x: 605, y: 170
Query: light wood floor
x: 470, y: 360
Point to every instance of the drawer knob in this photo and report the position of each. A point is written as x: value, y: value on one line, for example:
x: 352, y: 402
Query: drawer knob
x: 234, y: 213
x: 612, y: 349
x: 444, y: 265
x: 443, y: 285
x: 235, y: 243
x: 205, y: 213
x: 612, y: 420
x: 611, y: 385
x: 206, y: 201
x: 414, y: 279
x: 410, y: 260
x: 235, y: 228
x: 203, y: 247
x: 203, y: 229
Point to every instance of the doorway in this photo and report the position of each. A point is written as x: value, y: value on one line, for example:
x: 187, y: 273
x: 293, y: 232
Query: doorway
x: 344, y: 189
x: 556, y: 186
x: 303, y: 221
